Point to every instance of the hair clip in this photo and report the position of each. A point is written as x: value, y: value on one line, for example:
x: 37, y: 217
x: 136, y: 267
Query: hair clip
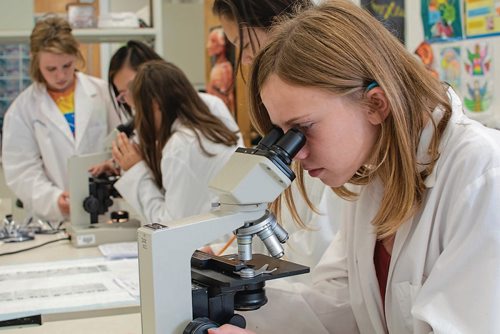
x: 371, y: 85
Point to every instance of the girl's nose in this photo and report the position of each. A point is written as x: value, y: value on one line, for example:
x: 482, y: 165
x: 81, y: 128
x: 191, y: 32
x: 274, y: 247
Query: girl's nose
x: 60, y: 75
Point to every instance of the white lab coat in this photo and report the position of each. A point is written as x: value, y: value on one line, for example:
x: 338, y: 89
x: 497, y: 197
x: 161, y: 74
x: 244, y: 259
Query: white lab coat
x: 186, y: 172
x: 444, y: 275
x: 37, y: 141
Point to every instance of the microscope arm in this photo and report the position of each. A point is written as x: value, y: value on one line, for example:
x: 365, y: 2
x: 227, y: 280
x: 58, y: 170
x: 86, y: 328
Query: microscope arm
x: 252, y: 178
x: 165, y: 265
x: 78, y: 167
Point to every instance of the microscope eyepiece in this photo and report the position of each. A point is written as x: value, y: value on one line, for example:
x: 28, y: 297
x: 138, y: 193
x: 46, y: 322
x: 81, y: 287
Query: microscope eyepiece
x: 127, y: 128
x: 289, y: 145
x: 270, y: 138
x: 279, y: 148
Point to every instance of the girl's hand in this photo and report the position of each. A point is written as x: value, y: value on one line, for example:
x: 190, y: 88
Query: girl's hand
x: 125, y: 153
x: 107, y: 167
x: 63, y: 203
x: 229, y: 329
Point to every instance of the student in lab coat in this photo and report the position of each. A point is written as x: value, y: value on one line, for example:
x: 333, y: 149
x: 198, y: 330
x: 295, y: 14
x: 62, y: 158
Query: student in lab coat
x: 418, y: 250
x: 182, y: 146
x: 63, y: 113
x: 247, y: 25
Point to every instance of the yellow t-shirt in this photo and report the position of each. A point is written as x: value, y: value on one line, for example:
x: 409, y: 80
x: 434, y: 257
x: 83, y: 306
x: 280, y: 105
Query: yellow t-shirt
x: 65, y: 101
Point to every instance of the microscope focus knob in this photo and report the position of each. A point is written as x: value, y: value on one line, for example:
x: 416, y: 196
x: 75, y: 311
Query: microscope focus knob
x: 91, y: 204
x: 238, y: 320
x: 202, y: 325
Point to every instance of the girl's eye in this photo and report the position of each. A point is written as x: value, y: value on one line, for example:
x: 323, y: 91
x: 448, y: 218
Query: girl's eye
x: 305, y: 128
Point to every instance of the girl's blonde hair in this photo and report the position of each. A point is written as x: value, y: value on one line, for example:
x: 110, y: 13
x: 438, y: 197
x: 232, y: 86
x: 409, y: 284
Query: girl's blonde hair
x: 52, y: 34
x: 341, y: 48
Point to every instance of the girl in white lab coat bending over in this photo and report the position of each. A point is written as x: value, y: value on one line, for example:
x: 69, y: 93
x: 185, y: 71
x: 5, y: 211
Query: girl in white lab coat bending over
x: 63, y: 113
x: 182, y: 145
x: 418, y: 250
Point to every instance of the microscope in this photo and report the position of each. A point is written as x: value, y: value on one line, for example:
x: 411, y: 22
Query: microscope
x: 178, y: 286
x: 91, y: 197
x: 11, y: 232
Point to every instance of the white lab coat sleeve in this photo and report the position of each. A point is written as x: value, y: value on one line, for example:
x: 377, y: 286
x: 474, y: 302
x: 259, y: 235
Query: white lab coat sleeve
x: 23, y: 167
x: 462, y: 293
x: 138, y: 188
x: 329, y: 295
x: 299, y: 308
x: 285, y: 312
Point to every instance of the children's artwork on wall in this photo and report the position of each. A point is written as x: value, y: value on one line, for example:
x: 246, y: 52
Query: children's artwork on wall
x: 478, y: 86
x: 221, y: 79
x: 482, y: 17
x: 477, y: 98
x: 390, y: 12
x: 441, y: 19
x: 450, y: 69
x: 478, y: 61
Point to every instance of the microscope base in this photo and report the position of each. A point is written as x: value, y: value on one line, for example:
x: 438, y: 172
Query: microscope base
x: 103, y: 233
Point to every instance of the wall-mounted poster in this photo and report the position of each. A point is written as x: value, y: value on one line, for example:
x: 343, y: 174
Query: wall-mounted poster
x: 482, y: 17
x: 441, y: 19
x: 221, y: 79
x: 390, y: 12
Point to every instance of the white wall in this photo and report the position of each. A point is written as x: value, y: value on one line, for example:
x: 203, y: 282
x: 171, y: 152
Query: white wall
x: 414, y: 34
x: 184, y: 38
x: 16, y: 15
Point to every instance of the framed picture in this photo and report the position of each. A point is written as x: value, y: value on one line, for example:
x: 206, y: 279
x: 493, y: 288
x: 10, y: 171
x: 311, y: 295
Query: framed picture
x: 81, y: 15
x: 391, y: 13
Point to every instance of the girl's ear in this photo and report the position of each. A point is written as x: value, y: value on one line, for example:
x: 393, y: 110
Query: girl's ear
x: 379, y: 105
x: 156, y: 106
x: 157, y: 115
